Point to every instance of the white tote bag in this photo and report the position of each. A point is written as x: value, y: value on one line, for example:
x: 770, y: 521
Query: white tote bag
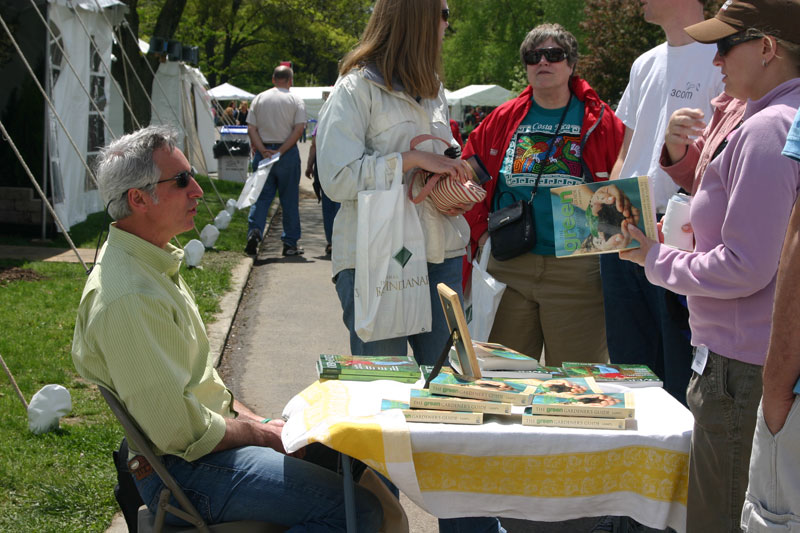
x: 486, y: 295
x: 255, y: 182
x: 392, y: 294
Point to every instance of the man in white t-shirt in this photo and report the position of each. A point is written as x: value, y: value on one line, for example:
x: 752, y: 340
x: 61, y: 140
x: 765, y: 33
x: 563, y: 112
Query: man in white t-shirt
x: 643, y: 322
x: 274, y: 124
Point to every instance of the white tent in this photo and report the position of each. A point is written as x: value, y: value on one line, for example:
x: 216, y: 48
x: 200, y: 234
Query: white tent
x: 226, y: 91
x: 312, y: 98
x: 181, y: 100
x: 476, y: 95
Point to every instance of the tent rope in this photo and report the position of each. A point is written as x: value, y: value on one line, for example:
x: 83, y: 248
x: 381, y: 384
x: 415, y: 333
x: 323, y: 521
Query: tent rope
x: 11, y: 143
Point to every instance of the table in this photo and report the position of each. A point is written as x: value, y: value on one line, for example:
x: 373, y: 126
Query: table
x: 502, y: 468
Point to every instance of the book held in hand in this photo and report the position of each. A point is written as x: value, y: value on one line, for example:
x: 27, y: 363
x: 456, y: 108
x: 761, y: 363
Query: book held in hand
x: 433, y: 416
x: 627, y: 375
x: 592, y: 218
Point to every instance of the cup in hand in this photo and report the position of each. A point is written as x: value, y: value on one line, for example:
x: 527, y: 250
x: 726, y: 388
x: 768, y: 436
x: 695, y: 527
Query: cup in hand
x: 676, y: 216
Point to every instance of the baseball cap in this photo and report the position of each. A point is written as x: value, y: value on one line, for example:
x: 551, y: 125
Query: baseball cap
x: 777, y: 17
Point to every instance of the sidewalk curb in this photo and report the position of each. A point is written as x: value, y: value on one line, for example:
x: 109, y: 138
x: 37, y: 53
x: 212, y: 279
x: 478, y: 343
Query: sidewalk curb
x: 220, y: 328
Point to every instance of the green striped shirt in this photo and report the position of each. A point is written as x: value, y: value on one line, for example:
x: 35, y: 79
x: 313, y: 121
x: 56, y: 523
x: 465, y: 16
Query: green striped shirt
x: 139, y: 334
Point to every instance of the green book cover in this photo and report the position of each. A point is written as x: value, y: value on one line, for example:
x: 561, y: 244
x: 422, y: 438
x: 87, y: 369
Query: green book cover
x: 592, y: 218
x: 362, y: 364
x: 370, y: 377
x: 424, y: 399
x: 433, y: 416
x: 630, y: 375
x: 482, y: 388
x: 603, y: 405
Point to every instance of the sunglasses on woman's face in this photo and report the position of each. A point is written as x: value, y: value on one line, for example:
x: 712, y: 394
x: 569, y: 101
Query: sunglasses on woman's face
x: 552, y: 55
x: 724, y: 45
x: 181, y: 178
x: 445, y: 14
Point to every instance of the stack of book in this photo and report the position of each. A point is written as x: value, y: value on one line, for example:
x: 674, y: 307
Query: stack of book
x: 563, y: 402
x: 627, y: 375
x: 367, y: 368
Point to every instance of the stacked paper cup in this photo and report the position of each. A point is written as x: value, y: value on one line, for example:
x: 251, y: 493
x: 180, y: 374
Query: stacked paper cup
x: 676, y: 216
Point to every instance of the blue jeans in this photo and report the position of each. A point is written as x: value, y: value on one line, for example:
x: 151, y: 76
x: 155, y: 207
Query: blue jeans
x: 427, y: 347
x: 329, y: 210
x: 257, y: 483
x: 639, y: 329
x: 284, y: 178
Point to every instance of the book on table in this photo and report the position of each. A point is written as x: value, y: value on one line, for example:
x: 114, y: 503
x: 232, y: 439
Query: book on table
x: 369, y: 365
x: 424, y: 399
x: 627, y: 375
x: 433, y: 416
x: 448, y: 384
x: 580, y: 397
x: 499, y: 361
x: 587, y: 218
x: 529, y: 419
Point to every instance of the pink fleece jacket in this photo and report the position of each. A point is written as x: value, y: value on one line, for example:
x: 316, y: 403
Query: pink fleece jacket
x: 739, y: 215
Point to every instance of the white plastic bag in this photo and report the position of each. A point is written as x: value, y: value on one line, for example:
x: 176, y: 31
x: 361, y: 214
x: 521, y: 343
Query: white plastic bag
x: 193, y: 252
x: 392, y: 295
x: 209, y: 235
x: 255, y: 182
x: 222, y: 219
x: 47, y: 406
x: 486, y: 295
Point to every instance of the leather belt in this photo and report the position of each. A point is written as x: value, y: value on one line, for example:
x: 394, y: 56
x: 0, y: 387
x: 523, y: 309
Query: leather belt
x: 140, y: 467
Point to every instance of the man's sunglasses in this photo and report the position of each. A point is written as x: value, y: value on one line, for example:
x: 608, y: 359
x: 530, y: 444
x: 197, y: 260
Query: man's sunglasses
x: 182, y: 178
x: 724, y: 45
x: 553, y: 55
x: 445, y: 14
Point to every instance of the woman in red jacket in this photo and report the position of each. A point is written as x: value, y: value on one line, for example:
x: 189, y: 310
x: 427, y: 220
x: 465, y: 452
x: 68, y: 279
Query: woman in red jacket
x: 557, y: 132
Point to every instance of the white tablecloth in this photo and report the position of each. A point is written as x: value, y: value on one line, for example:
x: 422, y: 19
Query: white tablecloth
x: 502, y: 468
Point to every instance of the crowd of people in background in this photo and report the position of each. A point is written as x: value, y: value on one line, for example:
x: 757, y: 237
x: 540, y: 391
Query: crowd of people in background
x: 712, y: 111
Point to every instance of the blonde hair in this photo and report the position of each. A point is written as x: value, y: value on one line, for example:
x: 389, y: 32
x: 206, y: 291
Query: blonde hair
x: 402, y: 40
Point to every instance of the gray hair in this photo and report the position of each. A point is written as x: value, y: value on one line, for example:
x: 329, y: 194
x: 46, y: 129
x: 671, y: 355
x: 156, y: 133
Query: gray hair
x: 560, y: 36
x: 127, y: 163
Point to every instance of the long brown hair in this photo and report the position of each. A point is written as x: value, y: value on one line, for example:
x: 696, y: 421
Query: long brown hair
x: 402, y: 39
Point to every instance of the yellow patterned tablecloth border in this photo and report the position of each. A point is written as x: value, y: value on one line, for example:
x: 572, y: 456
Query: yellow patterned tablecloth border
x: 654, y: 473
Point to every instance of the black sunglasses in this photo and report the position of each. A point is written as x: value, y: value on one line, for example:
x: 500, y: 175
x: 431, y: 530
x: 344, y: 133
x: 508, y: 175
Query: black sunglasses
x: 724, y: 45
x: 181, y: 178
x: 445, y: 14
x: 553, y: 55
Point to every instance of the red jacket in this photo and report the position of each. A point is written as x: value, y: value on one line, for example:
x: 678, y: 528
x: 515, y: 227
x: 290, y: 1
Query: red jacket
x: 601, y: 140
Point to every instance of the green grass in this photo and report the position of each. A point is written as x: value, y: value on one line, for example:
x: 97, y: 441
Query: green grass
x: 63, y: 481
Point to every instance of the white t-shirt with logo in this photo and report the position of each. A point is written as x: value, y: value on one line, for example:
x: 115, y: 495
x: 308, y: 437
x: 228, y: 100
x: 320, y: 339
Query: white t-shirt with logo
x: 664, y: 79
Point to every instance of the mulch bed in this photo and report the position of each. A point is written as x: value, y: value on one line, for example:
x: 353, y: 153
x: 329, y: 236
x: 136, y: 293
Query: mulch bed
x: 7, y: 275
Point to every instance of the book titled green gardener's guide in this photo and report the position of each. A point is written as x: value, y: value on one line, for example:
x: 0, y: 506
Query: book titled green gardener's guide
x: 496, y: 390
x: 433, y: 416
x: 367, y: 368
x: 592, y: 218
x: 628, y: 375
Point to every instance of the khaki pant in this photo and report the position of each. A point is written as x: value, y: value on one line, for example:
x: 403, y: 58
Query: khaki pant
x: 724, y: 402
x: 552, y: 303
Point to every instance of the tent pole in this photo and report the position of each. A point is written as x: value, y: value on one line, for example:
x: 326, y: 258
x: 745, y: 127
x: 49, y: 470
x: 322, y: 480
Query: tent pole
x: 46, y: 143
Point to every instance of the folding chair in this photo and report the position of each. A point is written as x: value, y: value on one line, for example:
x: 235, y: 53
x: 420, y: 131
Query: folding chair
x: 148, y: 522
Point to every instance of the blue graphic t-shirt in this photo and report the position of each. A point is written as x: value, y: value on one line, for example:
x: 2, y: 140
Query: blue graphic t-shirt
x: 524, y: 157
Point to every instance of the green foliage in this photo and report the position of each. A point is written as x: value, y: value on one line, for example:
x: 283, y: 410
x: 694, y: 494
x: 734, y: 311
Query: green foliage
x: 241, y: 41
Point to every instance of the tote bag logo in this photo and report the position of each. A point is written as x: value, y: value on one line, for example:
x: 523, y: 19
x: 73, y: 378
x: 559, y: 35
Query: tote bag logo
x: 403, y: 256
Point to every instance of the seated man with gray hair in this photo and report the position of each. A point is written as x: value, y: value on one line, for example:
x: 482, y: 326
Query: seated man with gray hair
x: 139, y: 334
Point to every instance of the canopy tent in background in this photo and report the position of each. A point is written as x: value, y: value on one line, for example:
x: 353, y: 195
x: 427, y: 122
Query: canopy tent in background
x: 226, y: 91
x: 73, y: 191
x: 475, y: 95
x: 180, y: 99
x: 312, y: 98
